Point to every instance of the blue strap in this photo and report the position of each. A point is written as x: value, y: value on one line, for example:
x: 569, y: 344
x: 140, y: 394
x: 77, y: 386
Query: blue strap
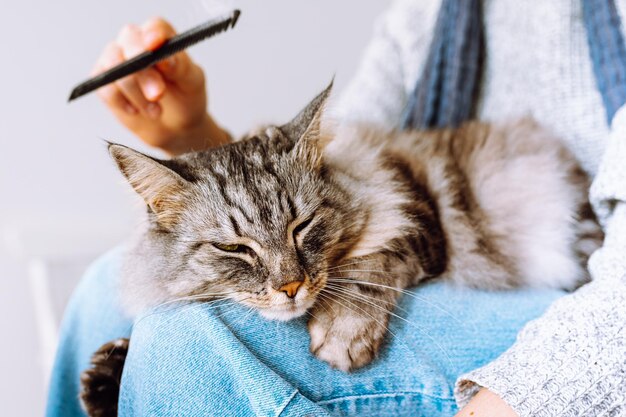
x: 446, y: 92
x: 608, y: 53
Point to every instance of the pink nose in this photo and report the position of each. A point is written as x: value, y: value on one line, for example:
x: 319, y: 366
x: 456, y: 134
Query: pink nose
x: 291, y: 289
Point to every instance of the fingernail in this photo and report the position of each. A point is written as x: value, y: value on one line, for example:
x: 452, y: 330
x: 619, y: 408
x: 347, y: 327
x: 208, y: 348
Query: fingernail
x: 130, y: 109
x: 153, y: 90
x: 154, y: 110
x: 152, y: 39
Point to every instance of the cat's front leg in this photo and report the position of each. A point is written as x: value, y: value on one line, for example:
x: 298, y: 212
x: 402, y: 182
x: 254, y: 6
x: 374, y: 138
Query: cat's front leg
x: 346, y: 331
x: 100, y: 384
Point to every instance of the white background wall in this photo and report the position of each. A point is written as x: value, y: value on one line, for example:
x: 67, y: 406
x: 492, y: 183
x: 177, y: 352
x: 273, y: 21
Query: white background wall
x: 61, y: 200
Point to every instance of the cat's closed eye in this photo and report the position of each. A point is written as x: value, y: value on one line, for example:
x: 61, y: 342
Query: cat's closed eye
x: 299, y: 228
x: 234, y: 248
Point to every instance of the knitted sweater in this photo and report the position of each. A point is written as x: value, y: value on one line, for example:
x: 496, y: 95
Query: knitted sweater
x: 572, y: 360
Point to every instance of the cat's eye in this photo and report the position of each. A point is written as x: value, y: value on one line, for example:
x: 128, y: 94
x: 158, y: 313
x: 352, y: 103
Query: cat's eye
x: 299, y: 228
x: 232, y: 248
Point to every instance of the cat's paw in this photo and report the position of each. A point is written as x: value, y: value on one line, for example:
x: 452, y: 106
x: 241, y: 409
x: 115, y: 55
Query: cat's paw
x: 100, y: 384
x: 346, y: 343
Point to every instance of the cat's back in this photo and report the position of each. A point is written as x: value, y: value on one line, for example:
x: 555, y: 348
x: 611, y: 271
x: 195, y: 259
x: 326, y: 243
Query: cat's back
x: 521, y: 190
x: 510, y: 198
x: 474, y: 145
x: 522, y: 149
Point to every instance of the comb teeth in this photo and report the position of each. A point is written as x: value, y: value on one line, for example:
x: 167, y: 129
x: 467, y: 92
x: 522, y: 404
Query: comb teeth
x: 195, y: 35
x: 146, y: 59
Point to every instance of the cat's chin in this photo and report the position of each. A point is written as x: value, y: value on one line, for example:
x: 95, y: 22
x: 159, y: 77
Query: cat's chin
x: 283, y: 314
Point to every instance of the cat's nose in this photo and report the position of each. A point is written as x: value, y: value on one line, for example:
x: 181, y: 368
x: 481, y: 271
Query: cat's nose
x: 291, y: 289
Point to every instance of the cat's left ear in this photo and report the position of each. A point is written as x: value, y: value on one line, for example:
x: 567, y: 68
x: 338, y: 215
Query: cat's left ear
x: 305, y: 129
x: 159, y: 186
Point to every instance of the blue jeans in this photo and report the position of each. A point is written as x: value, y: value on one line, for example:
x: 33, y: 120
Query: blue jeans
x: 223, y: 360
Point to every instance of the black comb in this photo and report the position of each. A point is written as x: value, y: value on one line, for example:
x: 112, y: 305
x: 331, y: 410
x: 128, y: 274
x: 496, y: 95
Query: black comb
x: 146, y: 59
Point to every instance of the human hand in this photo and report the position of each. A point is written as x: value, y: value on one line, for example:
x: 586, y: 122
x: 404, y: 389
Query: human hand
x: 485, y: 404
x: 165, y: 105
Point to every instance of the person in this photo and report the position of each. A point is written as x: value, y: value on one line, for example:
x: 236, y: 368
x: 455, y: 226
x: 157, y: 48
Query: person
x: 561, y: 62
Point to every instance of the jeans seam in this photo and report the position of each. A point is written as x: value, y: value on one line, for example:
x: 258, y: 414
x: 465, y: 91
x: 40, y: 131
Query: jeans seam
x: 282, y: 408
x: 385, y: 394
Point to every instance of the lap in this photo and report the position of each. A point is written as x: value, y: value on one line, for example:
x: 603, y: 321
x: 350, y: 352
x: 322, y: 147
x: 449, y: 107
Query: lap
x: 187, y: 359
x: 258, y: 367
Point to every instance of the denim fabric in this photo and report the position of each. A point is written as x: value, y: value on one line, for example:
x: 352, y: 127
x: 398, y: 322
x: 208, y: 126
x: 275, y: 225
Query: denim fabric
x: 446, y: 92
x: 224, y: 360
x: 607, y: 51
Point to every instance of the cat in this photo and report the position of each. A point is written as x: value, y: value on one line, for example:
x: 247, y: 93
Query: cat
x: 294, y: 211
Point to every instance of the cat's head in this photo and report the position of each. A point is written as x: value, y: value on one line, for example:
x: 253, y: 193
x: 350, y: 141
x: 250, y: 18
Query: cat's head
x: 259, y: 221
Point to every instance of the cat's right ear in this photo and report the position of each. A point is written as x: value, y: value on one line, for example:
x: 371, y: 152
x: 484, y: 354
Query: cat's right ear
x: 160, y: 187
x: 305, y: 129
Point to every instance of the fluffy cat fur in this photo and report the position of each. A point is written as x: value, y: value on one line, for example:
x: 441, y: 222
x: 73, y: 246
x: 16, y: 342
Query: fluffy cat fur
x: 358, y: 212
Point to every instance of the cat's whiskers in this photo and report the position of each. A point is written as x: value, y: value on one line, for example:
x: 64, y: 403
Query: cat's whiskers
x: 315, y: 288
x: 245, y: 317
x: 400, y: 290
x: 344, y: 265
x: 207, y: 304
x: 346, y: 296
x: 330, y: 299
x: 325, y: 307
x: 177, y: 308
x: 230, y: 309
x: 256, y: 303
x: 360, y: 295
x: 310, y: 313
x: 378, y: 271
x: 179, y: 302
x: 333, y: 298
x: 205, y: 297
x: 324, y: 304
x: 414, y: 325
x: 370, y: 315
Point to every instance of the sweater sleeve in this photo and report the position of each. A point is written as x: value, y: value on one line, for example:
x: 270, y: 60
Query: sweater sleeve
x: 378, y: 91
x: 572, y: 360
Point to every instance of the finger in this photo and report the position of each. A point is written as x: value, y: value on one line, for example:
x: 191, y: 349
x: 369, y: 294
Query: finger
x: 129, y: 39
x: 110, y: 94
x: 110, y: 57
x: 128, y: 86
x: 131, y: 90
x: 116, y: 101
x: 178, y: 68
x: 151, y: 83
x: 155, y: 31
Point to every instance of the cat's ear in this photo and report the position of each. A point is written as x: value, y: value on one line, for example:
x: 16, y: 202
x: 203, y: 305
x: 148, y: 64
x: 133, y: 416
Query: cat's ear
x: 305, y: 129
x: 159, y: 186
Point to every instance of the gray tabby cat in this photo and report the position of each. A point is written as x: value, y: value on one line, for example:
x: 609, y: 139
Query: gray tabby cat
x: 297, y: 218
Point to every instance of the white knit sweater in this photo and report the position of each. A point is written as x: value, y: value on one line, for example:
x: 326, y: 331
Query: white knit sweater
x: 572, y: 360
